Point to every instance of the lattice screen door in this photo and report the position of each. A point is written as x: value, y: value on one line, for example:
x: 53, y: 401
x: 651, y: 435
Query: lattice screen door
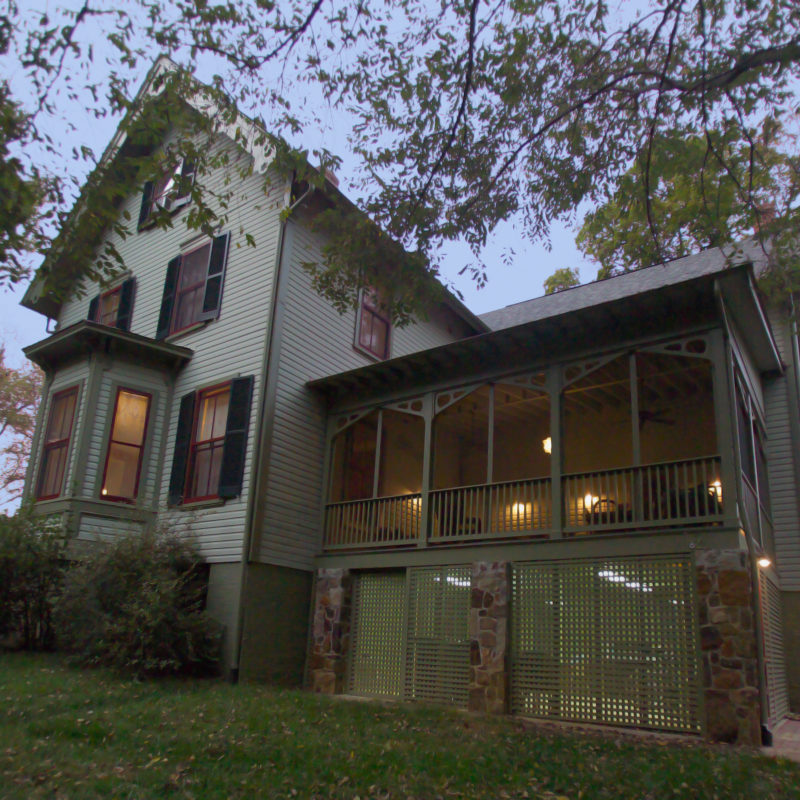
x: 612, y: 641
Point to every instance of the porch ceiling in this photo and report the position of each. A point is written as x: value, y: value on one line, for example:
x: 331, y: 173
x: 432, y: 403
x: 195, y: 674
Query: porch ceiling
x: 84, y: 338
x: 667, y: 309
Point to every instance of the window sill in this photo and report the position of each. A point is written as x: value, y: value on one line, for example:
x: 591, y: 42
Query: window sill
x: 369, y: 354
x: 191, y: 506
x: 195, y: 326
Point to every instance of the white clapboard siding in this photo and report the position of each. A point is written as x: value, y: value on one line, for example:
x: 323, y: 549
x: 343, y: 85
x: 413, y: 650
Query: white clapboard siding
x: 232, y: 345
x: 92, y: 528
x: 127, y: 376
x: 315, y: 340
x: 781, y: 454
x: 73, y: 375
x: 226, y: 348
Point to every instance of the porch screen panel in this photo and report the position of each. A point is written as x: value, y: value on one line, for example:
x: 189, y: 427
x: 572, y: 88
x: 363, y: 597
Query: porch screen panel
x: 777, y: 691
x: 379, y: 618
x: 611, y: 641
x: 437, y: 658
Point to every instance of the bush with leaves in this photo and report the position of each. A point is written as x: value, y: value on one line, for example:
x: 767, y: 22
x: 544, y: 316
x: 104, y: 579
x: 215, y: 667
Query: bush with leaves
x: 137, y: 605
x: 31, y: 571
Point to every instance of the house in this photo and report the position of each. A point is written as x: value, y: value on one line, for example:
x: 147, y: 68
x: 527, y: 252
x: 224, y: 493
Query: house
x: 579, y: 507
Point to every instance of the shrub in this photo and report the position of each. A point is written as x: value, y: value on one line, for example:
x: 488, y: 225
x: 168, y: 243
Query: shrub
x: 136, y: 605
x: 31, y: 570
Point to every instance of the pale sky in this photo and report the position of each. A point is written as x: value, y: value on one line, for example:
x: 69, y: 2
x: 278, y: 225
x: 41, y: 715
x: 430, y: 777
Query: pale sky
x: 508, y: 283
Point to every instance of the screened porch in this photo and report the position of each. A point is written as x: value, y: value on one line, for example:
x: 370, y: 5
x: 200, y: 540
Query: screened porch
x: 624, y: 443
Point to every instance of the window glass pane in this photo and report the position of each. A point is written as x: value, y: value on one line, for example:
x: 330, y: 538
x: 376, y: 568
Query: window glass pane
x: 61, y: 417
x: 194, y: 266
x: 55, y: 461
x: 213, y: 416
x: 130, y: 418
x: 353, y: 460
x: 745, y: 439
x: 461, y: 441
x: 121, y: 471
x: 107, y: 311
x: 188, y: 308
x: 205, y: 470
x: 402, y: 447
x: 521, y: 428
x: 597, y: 431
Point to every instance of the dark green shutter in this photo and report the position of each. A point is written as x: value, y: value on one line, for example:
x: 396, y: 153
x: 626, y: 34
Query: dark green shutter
x: 216, y: 273
x: 168, y: 298
x: 180, y: 456
x: 233, y: 455
x: 147, y: 202
x: 125, y: 307
x: 93, y: 305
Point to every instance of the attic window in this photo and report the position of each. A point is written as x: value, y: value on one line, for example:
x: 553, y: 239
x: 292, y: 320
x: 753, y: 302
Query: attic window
x: 170, y: 192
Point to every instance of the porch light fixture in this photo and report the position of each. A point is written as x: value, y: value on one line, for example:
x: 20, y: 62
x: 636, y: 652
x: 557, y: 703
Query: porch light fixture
x: 715, y: 489
x: 589, y: 500
x: 764, y: 562
x: 547, y: 444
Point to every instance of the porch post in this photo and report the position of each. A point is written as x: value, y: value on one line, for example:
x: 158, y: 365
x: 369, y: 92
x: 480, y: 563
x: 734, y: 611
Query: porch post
x: 553, y: 384
x: 427, y: 465
x: 725, y: 421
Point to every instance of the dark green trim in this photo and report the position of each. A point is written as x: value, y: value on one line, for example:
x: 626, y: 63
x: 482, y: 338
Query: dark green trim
x: 97, y: 364
x: 596, y: 546
x: 28, y: 490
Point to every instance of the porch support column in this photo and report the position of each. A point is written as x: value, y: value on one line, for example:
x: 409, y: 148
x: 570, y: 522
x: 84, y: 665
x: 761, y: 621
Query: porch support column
x: 729, y: 650
x: 488, y: 634
x: 427, y: 466
x: 330, y: 631
x: 725, y: 421
x: 553, y: 384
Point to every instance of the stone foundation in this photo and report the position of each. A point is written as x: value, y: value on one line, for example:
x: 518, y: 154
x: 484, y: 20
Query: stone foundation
x: 488, y: 632
x: 330, y: 631
x: 728, y: 644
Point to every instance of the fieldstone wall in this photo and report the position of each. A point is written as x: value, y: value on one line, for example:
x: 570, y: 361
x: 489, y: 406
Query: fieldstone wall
x: 330, y: 631
x: 728, y: 644
x: 488, y: 632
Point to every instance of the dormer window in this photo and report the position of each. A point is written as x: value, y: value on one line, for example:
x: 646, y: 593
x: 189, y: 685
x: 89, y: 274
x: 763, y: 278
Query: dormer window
x: 373, y: 325
x: 170, y: 192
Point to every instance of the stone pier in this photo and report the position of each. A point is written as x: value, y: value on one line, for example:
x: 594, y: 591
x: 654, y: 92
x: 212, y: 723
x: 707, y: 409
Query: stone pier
x: 728, y: 646
x: 330, y: 631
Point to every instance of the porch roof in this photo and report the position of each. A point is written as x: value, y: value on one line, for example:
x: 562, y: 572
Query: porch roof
x: 647, y: 303
x: 85, y: 337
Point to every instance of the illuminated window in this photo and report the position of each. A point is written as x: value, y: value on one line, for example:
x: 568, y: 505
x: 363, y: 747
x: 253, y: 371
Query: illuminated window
x: 126, y: 446
x: 56, y: 444
x: 208, y: 443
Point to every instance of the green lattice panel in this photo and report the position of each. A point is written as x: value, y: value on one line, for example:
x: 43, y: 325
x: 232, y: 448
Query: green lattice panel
x: 437, y: 656
x: 610, y: 641
x: 379, y: 617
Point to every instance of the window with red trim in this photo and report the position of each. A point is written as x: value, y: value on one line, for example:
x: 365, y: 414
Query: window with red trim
x: 108, y: 307
x: 56, y: 444
x: 126, y: 445
x: 208, y: 443
x: 373, y: 325
x: 191, y: 287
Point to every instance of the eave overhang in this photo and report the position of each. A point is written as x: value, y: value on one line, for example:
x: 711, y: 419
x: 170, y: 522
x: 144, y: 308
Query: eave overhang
x: 665, y: 310
x: 86, y: 338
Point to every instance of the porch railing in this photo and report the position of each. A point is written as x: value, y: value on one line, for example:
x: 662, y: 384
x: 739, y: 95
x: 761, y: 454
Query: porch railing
x: 385, y: 521
x: 671, y: 493
x: 495, y: 509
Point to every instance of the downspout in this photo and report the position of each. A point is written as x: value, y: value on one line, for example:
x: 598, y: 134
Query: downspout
x: 257, y: 472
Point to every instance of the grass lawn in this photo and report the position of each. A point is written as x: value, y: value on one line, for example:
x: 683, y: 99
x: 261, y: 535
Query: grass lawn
x: 66, y: 733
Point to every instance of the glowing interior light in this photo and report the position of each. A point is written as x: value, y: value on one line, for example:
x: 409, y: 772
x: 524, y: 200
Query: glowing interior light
x: 589, y: 500
x: 519, y: 509
x: 547, y: 444
x: 715, y: 490
x: 105, y: 491
x: 764, y: 562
